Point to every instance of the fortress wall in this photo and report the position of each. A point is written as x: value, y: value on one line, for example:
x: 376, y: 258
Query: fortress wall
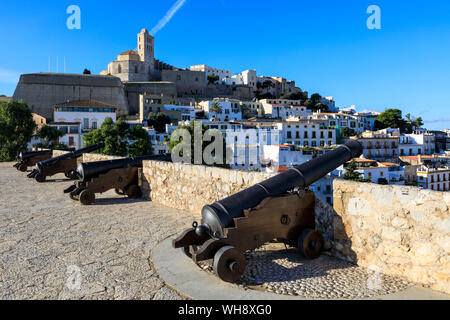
x: 43, y: 91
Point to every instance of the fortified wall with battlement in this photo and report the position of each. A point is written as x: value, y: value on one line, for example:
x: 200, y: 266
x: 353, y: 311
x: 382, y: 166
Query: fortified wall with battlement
x: 42, y: 91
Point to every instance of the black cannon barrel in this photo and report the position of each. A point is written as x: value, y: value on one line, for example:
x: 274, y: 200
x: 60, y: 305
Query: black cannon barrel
x: 30, y: 154
x: 70, y: 155
x: 89, y: 170
x: 220, y: 215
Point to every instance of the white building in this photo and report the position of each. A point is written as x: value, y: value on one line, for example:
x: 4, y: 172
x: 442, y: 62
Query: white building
x: 222, y: 74
x: 408, y: 146
x: 307, y: 134
x: 425, y: 138
x: 72, y: 133
x: 89, y: 113
x: 437, y: 179
x: 381, y: 172
x: 330, y: 103
x: 158, y: 141
x: 247, y: 78
x: 187, y: 112
x: 222, y: 110
x: 339, y: 120
x: 275, y: 156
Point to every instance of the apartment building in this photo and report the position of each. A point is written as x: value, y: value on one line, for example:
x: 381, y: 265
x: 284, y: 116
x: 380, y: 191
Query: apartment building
x: 308, y: 134
x: 433, y: 178
x: 379, y: 146
x: 222, y: 110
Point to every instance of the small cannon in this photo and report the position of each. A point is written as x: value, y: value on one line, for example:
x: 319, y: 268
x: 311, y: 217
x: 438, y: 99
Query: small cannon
x: 65, y: 163
x: 31, y: 158
x: 280, y: 208
x: 99, y: 177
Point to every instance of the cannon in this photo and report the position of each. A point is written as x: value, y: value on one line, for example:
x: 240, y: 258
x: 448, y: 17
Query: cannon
x: 280, y: 208
x: 98, y: 177
x: 31, y: 158
x: 66, y: 163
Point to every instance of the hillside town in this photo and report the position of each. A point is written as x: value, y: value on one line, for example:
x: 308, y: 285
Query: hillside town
x: 268, y: 122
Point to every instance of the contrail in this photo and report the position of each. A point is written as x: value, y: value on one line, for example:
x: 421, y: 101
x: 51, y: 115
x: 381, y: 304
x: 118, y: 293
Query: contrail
x: 162, y: 23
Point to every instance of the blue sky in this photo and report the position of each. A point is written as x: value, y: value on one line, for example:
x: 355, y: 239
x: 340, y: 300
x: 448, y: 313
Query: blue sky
x: 324, y: 45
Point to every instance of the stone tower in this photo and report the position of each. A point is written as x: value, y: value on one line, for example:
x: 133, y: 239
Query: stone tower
x: 146, y: 47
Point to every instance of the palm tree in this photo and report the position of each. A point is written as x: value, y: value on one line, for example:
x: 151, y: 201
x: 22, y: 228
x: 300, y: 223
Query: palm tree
x: 215, y: 107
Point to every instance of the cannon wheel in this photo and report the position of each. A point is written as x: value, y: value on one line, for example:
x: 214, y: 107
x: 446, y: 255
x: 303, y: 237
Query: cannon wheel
x: 134, y: 192
x: 229, y: 264
x: 310, y: 243
x: 40, y: 177
x: 119, y: 191
x: 87, y: 198
x: 70, y: 175
x: 23, y: 167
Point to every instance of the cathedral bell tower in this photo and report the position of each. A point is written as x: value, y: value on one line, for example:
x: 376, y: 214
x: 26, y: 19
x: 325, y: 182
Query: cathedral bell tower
x: 146, y: 46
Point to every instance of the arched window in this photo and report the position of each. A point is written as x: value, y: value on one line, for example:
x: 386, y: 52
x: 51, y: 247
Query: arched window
x: 119, y: 69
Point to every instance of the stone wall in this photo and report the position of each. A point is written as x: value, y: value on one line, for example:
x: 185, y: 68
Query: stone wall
x: 57, y: 153
x: 403, y: 231
x: 189, y: 187
x: 42, y: 91
x: 92, y: 157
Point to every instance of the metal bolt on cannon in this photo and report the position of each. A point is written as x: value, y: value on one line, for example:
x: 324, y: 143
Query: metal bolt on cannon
x: 280, y: 208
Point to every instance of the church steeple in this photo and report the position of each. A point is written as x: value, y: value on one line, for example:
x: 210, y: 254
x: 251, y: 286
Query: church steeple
x: 146, y: 47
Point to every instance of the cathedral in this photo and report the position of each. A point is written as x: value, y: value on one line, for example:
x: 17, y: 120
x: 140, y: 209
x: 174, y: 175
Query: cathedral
x: 132, y: 66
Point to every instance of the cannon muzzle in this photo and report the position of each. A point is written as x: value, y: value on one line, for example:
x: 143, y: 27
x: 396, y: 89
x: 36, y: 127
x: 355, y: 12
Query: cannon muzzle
x: 220, y: 215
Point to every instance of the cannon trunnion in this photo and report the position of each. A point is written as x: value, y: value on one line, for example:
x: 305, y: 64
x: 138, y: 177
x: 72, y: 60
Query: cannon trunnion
x: 29, y: 159
x: 66, y: 164
x: 280, y: 208
x: 122, y: 175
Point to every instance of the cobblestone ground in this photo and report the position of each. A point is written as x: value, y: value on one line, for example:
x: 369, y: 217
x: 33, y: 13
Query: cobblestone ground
x: 54, y: 248
x: 275, y: 269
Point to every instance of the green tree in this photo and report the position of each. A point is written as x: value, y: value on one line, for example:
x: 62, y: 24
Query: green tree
x: 158, y: 121
x: 215, y: 107
x: 50, y: 135
x: 120, y: 140
x: 140, y: 142
x: 109, y: 133
x: 87, y: 71
x: 347, y: 132
x: 16, y: 129
x: 352, y: 174
x: 316, y: 97
x: 391, y: 118
x: 213, y: 78
x: 173, y: 143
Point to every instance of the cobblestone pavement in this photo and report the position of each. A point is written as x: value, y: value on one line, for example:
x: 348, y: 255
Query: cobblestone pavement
x: 54, y: 248
x: 275, y: 269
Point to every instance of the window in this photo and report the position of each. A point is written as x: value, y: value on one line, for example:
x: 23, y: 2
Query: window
x: 94, y: 124
x: 71, y: 141
x: 85, y: 123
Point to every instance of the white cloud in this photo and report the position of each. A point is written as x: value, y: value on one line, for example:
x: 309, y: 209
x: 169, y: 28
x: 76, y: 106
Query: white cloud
x: 169, y: 15
x: 8, y: 76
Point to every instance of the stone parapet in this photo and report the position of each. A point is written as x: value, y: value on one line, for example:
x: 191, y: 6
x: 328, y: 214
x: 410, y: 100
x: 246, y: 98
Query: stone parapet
x: 403, y: 231
x: 92, y: 157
